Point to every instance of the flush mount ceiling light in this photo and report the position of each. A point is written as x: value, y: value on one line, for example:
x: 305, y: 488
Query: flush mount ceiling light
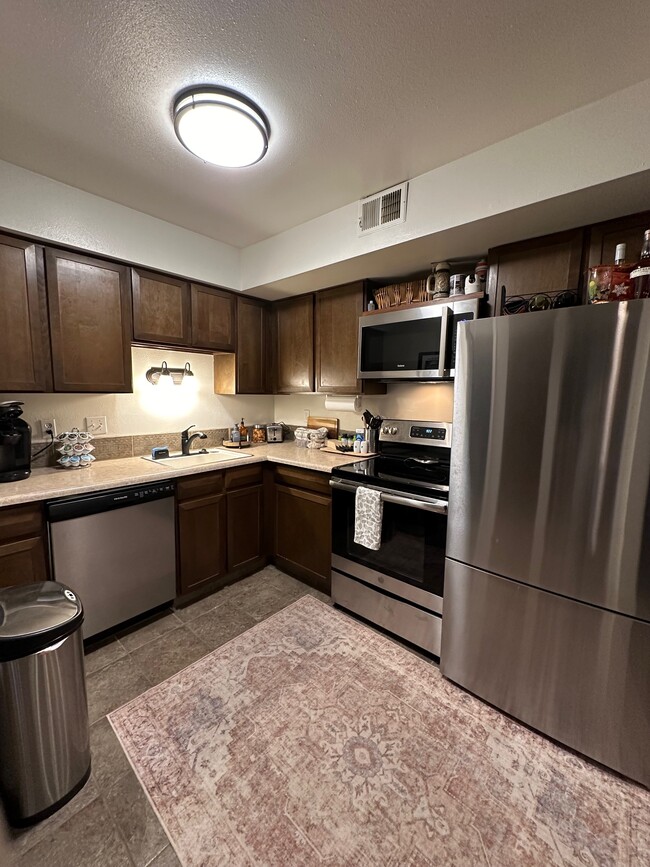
x: 165, y: 375
x: 221, y: 126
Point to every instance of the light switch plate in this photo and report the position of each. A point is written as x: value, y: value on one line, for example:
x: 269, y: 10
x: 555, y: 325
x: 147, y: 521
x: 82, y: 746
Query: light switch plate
x: 96, y: 425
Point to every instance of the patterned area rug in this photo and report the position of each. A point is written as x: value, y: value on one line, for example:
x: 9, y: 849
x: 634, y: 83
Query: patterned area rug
x: 312, y: 740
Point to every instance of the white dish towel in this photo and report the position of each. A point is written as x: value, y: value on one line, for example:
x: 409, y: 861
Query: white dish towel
x: 368, y: 512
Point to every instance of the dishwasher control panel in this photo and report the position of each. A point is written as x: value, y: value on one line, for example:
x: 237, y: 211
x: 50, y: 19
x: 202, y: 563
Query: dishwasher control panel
x: 148, y: 493
x: 105, y: 501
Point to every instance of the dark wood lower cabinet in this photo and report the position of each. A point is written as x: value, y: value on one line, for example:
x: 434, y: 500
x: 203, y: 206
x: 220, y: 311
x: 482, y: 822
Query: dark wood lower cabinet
x: 245, y: 528
x: 201, y: 541
x: 302, y: 532
x: 23, y: 549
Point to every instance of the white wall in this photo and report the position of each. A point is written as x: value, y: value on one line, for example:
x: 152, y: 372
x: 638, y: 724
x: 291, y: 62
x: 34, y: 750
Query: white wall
x: 426, y: 402
x: 150, y: 409
x: 35, y: 205
x: 583, y: 148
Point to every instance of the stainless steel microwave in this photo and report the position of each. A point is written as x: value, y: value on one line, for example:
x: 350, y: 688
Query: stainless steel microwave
x: 414, y: 344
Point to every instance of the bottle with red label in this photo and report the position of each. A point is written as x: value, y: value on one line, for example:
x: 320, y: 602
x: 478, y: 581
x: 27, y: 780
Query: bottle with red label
x: 641, y: 274
x: 622, y: 285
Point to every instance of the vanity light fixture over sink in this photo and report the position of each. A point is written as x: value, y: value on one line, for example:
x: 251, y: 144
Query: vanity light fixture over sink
x: 165, y: 375
x: 221, y: 126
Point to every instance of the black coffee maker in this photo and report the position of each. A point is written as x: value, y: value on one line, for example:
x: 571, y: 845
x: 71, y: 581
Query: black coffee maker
x: 15, y: 443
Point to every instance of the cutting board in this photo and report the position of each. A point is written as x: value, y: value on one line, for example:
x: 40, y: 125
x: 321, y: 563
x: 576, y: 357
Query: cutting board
x: 332, y: 425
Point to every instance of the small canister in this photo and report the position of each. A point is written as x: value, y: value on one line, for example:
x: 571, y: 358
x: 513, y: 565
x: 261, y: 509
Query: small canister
x: 457, y: 284
x: 259, y: 433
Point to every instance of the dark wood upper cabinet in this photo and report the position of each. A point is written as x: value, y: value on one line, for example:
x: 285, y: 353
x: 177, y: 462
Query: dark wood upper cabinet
x: 337, y: 341
x: 214, y: 323
x: 603, y: 238
x: 90, y: 323
x: 247, y: 371
x: 25, y: 363
x: 293, y: 336
x: 161, y: 309
x: 549, y: 264
x: 252, y: 346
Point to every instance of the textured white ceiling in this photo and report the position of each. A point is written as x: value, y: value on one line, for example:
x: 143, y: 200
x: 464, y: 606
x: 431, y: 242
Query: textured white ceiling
x: 360, y: 95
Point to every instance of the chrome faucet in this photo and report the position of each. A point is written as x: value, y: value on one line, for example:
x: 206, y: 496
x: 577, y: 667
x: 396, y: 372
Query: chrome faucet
x: 187, y: 440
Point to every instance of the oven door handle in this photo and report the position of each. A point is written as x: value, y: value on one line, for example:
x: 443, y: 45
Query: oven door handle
x: 426, y: 505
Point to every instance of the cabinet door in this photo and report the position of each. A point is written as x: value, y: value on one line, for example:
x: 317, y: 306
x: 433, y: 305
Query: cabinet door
x: 294, y: 348
x: 337, y: 330
x: 213, y: 318
x: 604, y: 237
x: 302, y: 543
x: 90, y: 323
x: 244, y: 526
x: 201, y: 541
x: 161, y: 308
x: 25, y: 363
x: 251, y: 361
x: 23, y: 562
x: 549, y: 264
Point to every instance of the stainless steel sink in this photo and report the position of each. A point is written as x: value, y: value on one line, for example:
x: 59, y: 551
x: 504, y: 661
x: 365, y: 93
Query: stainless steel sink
x: 200, y: 459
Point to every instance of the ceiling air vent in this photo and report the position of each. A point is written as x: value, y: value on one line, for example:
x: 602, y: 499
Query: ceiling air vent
x: 383, y: 209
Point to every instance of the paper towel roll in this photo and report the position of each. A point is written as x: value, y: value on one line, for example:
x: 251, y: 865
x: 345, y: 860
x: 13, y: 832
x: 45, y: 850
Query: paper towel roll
x: 340, y: 403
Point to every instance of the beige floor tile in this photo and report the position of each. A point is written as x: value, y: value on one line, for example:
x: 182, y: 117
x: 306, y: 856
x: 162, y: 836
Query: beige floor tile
x: 109, y: 760
x: 113, y: 686
x: 140, y: 635
x: 163, y: 657
x: 135, y: 818
x: 222, y: 623
x: 88, y: 839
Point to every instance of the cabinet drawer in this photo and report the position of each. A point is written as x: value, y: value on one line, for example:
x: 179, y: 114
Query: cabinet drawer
x: 199, y: 486
x: 240, y: 477
x: 306, y: 479
x: 19, y: 521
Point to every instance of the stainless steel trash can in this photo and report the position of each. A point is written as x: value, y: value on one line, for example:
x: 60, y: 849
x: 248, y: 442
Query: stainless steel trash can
x: 44, y: 735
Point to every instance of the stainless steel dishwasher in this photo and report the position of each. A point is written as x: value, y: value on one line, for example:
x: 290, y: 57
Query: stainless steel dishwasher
x: 117, y: 550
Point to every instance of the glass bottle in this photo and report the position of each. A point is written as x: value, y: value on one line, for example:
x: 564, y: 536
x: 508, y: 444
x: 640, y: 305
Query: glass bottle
x: 641, y: 274
x: 622, y: 286
x: 243, y: 432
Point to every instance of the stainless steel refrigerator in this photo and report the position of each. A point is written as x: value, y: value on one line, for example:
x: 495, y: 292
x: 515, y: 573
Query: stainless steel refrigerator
x: 547, y: 579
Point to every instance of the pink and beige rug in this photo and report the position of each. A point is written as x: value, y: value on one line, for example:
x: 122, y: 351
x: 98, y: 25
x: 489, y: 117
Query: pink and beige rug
x: 311, y: 740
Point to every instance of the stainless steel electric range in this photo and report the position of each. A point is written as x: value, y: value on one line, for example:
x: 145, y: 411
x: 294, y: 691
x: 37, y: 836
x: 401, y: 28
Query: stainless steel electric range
x: 398, y: 587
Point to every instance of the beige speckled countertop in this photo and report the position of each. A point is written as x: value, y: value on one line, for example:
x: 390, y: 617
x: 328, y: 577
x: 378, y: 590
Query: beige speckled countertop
x: 52, y: 482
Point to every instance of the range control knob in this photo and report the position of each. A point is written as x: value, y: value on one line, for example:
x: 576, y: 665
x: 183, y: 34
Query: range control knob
x: 393, y: 431
x: 384, y: 430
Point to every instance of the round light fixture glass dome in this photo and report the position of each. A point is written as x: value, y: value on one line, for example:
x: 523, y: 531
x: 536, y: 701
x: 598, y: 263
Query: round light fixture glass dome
x: 221, y: 126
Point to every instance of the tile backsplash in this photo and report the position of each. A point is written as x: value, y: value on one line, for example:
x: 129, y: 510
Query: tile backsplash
x: 108, y: 447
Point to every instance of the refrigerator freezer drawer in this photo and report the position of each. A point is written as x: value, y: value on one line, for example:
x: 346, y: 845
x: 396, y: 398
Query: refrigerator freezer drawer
x: 574, y: 672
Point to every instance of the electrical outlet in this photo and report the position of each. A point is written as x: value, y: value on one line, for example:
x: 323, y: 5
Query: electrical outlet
x: 307, y: 413
x: 48, y: 426
x: 96, y: 425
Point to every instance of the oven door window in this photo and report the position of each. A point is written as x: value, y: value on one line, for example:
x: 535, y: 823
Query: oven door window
x: 412, y: 542
x: 401, y: 346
